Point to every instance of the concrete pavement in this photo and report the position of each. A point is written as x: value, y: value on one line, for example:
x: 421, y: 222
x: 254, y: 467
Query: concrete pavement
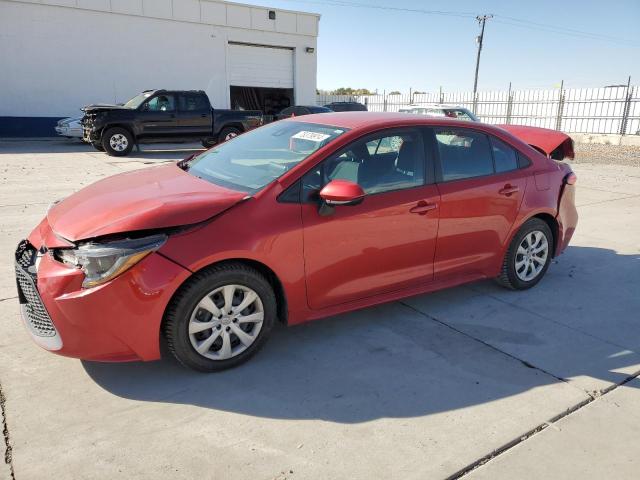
x: 430, y: 387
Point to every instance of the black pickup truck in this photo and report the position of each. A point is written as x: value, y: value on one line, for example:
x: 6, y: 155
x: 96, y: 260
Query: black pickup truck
x: 157, y: 116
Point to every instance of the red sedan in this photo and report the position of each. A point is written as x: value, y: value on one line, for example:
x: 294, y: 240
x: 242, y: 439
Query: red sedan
x: 294, y: 221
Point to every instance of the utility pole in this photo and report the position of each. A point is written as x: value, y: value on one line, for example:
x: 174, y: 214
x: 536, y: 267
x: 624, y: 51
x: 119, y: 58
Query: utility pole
x: 481, y: 20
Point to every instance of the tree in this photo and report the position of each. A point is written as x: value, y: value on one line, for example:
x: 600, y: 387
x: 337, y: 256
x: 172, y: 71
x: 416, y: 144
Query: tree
x: 351, y: 91
x: 395, y: 92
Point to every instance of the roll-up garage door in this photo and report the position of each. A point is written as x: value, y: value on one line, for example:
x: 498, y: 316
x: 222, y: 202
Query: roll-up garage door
x: 260, y: 66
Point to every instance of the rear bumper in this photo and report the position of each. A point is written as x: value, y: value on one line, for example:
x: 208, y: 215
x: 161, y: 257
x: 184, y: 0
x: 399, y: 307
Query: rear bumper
x: 117, y: 321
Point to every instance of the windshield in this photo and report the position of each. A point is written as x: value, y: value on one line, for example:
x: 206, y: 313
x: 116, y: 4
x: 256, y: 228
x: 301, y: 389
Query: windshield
x: 136, y: 101
x: 256, y: 158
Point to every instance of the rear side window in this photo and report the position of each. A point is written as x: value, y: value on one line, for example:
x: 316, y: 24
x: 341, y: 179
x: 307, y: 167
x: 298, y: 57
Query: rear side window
x: 463, y: 153
x: 193, y: 103
x: 505, y: 157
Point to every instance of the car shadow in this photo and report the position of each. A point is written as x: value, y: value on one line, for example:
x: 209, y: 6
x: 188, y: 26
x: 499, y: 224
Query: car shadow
x: 394, y: 360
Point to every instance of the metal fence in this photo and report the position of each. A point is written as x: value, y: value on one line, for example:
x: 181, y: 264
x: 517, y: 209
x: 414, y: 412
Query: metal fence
x: 609, y: 110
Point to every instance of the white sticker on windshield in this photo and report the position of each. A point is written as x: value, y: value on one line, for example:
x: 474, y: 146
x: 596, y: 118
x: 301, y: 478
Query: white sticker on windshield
x: 312, y: 136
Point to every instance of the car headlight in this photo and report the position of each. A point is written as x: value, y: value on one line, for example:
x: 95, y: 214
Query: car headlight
x: 102, y: 262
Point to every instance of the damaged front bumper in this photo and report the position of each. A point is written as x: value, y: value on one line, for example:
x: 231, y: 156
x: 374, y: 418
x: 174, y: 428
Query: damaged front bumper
x: 116, y: 321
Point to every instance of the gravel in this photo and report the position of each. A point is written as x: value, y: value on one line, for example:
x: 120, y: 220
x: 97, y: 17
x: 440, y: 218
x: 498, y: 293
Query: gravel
x: 607, y: 154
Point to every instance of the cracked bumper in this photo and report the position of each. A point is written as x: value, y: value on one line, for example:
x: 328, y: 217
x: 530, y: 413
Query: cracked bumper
x: 117, y: 321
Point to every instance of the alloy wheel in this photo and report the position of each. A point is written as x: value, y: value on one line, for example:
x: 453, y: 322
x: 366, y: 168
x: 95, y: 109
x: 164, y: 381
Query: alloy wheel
x: 118, y: 142
x: 225, y: 322
x: 531, y: 255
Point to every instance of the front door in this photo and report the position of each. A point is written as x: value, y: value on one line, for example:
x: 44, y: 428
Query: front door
x: 482, y: 185
x: 158, y: 116
x: 387, y: 242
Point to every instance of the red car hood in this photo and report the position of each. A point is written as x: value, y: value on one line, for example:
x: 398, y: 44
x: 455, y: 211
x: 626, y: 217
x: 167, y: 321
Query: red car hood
x: 151, y: 198
x: 543, y: 139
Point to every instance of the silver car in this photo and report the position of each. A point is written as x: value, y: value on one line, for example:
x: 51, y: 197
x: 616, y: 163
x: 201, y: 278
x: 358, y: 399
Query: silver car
x: 69, y: 127
x: 439, y: 110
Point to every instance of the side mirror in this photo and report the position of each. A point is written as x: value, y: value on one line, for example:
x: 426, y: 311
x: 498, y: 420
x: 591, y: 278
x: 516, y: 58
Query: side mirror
x: 342, y: 192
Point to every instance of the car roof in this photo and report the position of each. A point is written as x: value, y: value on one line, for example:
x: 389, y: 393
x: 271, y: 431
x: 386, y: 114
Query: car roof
x: 359, y: 120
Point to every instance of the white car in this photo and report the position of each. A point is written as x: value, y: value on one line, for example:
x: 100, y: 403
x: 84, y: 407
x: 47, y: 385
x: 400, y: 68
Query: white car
x: 440, y: 110
x: 69, y: 127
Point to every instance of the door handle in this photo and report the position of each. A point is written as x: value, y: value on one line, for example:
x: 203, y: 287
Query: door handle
x: 508, y: 190
x: 203, y: 115
x: 423, y: 207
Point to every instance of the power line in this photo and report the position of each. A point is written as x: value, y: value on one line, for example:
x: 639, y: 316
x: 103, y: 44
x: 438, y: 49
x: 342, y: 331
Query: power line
x: 340, y: 3
x: 502, y: 19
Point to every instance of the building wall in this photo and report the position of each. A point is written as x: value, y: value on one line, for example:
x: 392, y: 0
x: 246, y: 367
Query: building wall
x: 56, y: 59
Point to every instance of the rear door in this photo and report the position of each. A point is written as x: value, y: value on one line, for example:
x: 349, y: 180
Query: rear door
x: 481, y: 184
x: 158, y: 116
x: 387, y: 242
x: 194, y: 115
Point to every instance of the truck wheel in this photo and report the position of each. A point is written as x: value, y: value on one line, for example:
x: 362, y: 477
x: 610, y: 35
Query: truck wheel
x: 228, y: 133
x: 97, y: 146
x: 208, y: 142
x: 117, y: 142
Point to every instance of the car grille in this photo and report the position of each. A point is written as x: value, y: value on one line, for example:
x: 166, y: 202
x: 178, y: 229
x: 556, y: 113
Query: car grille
x: 26, y: 276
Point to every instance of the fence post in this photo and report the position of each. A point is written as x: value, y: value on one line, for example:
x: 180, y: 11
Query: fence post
x: 626, y: 108
x: 475, y: 103
x: 560, y: 106
x: 384, y: 100
x: 509, y: 105
x: 441, y: 97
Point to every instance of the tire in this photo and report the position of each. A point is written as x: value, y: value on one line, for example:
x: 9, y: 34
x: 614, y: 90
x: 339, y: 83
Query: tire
x: 524, y: 264
x: 208, y: 142
x: 228, y: 133
x: 117, y: 142
x: 208, y: 288
x: 97, y: 146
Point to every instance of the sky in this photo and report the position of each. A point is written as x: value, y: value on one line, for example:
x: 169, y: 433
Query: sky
x: 585, y: 43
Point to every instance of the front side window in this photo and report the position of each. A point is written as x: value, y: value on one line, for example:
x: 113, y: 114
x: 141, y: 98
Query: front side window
x: 379, y: 164
x: 256, y: 158
x: 505, y: 157
x: 463, y: 153
x: 161, y: 103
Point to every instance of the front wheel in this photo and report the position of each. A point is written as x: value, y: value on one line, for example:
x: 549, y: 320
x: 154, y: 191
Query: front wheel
x: 117, y: 142
x: 220, y: 318
x: 528, y: 256
x: 97, y: 146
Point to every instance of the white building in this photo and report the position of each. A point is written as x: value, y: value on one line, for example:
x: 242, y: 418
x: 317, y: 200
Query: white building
x: 59, y: 55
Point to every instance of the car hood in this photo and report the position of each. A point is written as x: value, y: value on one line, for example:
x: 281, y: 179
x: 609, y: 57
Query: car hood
x: 151, y: 198
x: 543, y: 139
x: 96, y: 107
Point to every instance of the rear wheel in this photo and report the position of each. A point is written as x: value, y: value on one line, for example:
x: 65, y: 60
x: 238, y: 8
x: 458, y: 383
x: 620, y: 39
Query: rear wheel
x: 228, y: 133
x: 208, y: 142
x: 220, y: 318
x: 528, y: 256
x: 117, y: 142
